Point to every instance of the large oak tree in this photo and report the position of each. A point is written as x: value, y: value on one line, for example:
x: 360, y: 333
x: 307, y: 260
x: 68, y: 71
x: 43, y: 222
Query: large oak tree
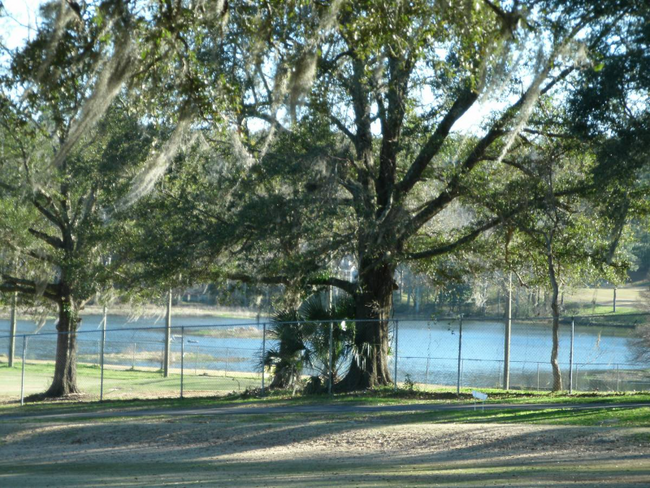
x: 346, y: 132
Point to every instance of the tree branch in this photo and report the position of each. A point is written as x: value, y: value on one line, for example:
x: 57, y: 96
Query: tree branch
x: 464, y: 101
x: 457, y: 243
x: 13, y: 284
x: 498, y: 128
x: 478, y: 154
x: 249, y: 111
x: 340, y: 126
x: 344, y: 285
x: 48, y: 215
x: 30, y: 252
x: 547, y: 134
x: 512, y: 163
x: 12, y: 288
x: 453, y: 188
x: 55, y: 242
x: 40, y: 207
x: 471, y: 236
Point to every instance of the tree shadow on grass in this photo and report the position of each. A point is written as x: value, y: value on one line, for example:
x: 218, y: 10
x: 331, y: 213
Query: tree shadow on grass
x: 209, y: 449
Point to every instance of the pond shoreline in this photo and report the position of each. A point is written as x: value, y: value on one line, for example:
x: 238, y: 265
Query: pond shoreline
x: 150, y: 311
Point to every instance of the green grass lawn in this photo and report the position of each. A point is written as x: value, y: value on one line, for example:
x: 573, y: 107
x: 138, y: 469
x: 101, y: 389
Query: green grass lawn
x: 610, y: 417
x: 626, y: 294
x: 120, y: 383
x: 596, y: 417
x: 603, y: 315
x: 136, y: 390
x: 582, y: 308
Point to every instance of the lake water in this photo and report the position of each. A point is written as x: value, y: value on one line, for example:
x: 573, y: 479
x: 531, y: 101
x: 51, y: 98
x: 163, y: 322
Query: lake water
x: 427, y: 351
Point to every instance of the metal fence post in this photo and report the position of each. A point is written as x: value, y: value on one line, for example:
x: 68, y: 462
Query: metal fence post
x: 101, y: 359
x: 168, y: 335
x: 396, y: 343
x: 331, y: 358
x: 13, y: 327
x: 462, y: 370
x: 263, y: 353
x: 225, y: 373
x: 22, y: 374
x: 182, y: 358
x: 573, y: 333
x: 460, y: 353
x: 617, y: 378
x: 507, y: 336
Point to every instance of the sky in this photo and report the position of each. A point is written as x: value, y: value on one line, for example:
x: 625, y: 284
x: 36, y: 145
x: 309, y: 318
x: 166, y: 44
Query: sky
x: 14, y: 25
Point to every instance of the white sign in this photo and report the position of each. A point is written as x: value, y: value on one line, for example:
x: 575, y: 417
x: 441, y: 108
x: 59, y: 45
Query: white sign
x: 479, y: 396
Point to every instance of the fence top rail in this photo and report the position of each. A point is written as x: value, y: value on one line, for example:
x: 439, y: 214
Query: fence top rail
x: 328, y: 321
x: 501, y: 318
x: 203, y: 326
x: 500, y: 361
x: 173, y: 341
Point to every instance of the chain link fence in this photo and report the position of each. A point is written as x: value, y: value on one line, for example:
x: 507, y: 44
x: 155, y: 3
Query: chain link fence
x: 205, y: 360
x: 471, y: 352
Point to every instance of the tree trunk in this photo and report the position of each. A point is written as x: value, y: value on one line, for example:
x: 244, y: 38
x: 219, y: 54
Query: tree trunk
x: 517, y: 302
x: 557, y: 373
x: 284, y: 375
x: 369, y: 368
x: 555, y: 308
x: 65, y: 370
x: 401, y: 285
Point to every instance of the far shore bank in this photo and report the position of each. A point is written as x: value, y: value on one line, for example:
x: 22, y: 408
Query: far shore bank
x: 625, y: 318
x: 152, y: 311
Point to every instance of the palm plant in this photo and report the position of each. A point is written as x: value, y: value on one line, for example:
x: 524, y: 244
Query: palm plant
x: 303, y: 340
